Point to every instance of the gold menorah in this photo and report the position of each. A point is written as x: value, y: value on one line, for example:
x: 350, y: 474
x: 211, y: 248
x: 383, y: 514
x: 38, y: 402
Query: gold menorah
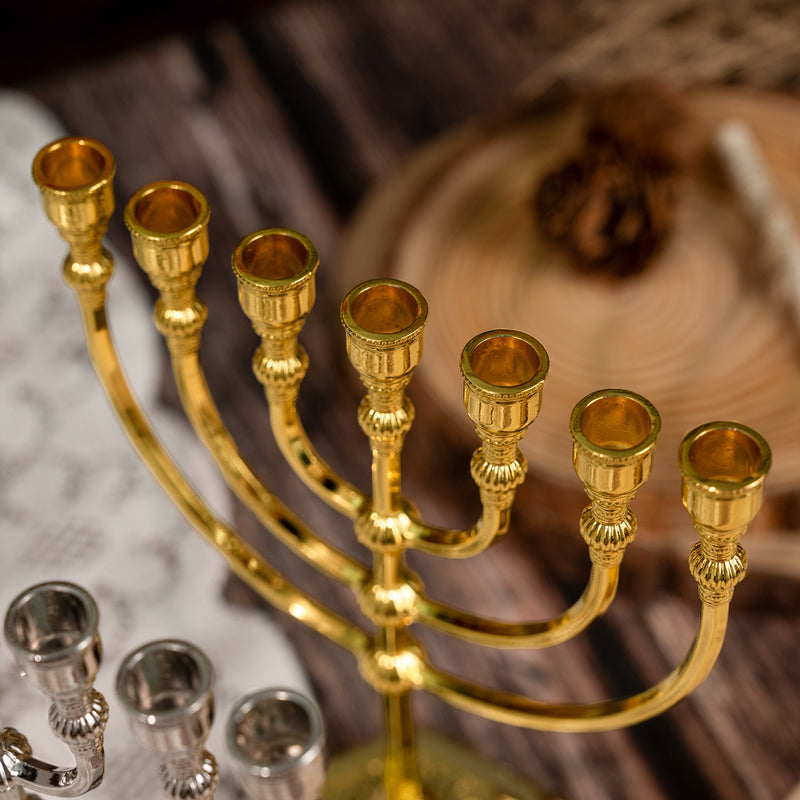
x: 723, y: 463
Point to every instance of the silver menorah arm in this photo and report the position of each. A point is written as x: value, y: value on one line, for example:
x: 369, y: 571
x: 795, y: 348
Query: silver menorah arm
x: 51, y: 630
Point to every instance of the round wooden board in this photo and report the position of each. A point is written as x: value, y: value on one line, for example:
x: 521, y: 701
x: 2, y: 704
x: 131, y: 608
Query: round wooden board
x: 701, y: 332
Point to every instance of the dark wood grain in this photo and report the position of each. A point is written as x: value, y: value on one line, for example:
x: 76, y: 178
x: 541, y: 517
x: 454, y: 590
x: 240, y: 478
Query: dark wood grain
x: 285, y: 117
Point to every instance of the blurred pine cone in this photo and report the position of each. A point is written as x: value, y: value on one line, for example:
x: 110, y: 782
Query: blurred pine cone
x: 613, y: 205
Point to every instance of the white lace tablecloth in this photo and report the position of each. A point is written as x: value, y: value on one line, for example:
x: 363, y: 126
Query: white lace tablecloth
x: 75, y: 501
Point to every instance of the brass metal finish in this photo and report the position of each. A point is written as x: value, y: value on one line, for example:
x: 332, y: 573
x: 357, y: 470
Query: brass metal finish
x: 275, y: 271
x: 614, y: 434
x: 724, y: 466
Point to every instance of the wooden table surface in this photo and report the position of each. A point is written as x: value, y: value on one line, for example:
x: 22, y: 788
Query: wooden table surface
x: 286, y: 115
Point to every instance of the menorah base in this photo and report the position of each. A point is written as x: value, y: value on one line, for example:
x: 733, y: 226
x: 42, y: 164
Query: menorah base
x: 448, y: 771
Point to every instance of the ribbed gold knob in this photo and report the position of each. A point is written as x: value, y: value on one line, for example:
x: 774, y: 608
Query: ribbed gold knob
x: 724, y: 465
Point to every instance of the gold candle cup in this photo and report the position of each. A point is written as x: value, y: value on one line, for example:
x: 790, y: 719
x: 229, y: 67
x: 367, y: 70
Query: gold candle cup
x: 74, y: 176
x: 504, y: 373
x: 168, y: 221
x: 614, y: 435
x: 384, y: 322
x: 275, y: 271
x: 724, y: 465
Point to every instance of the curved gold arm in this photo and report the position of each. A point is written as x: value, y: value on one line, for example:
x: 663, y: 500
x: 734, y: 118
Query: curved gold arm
x: 246, y: 562
x: 465, y: 543
x: 724, y: 465
x: 614, y: 435
x: 523, y: 712
x: 307, y: 464
x: 594, y: 601
x: 74, y: 176
x: 180, y: 317
x: 273, y: 514
x: 275, y: 271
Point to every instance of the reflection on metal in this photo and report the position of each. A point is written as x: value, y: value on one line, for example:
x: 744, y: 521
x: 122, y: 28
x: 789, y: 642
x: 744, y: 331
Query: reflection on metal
x: 614, y: 433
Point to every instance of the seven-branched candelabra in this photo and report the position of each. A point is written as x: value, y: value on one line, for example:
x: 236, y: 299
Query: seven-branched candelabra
x: 614, y: 433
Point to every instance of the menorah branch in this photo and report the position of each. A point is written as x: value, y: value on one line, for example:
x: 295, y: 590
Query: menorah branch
x: 275, y: 271
x: 595, y: 599
x: 306, y: 462
x: 274, y: 515
x: 173, y: 261
x: 513, y: 709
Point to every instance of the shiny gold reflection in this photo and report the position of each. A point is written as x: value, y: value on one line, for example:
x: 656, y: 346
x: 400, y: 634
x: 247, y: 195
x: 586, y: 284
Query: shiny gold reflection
x: 166, y: 209
x: 384, y: 308
x: 616, y: 423
x: 725, y: 454
x: 504, y: 361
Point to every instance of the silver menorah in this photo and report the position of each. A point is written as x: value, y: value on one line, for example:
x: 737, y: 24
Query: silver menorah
x: 275, y: 736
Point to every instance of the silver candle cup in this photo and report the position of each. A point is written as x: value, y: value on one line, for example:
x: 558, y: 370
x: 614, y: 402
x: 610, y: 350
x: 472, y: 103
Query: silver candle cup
x: 276, y: 738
